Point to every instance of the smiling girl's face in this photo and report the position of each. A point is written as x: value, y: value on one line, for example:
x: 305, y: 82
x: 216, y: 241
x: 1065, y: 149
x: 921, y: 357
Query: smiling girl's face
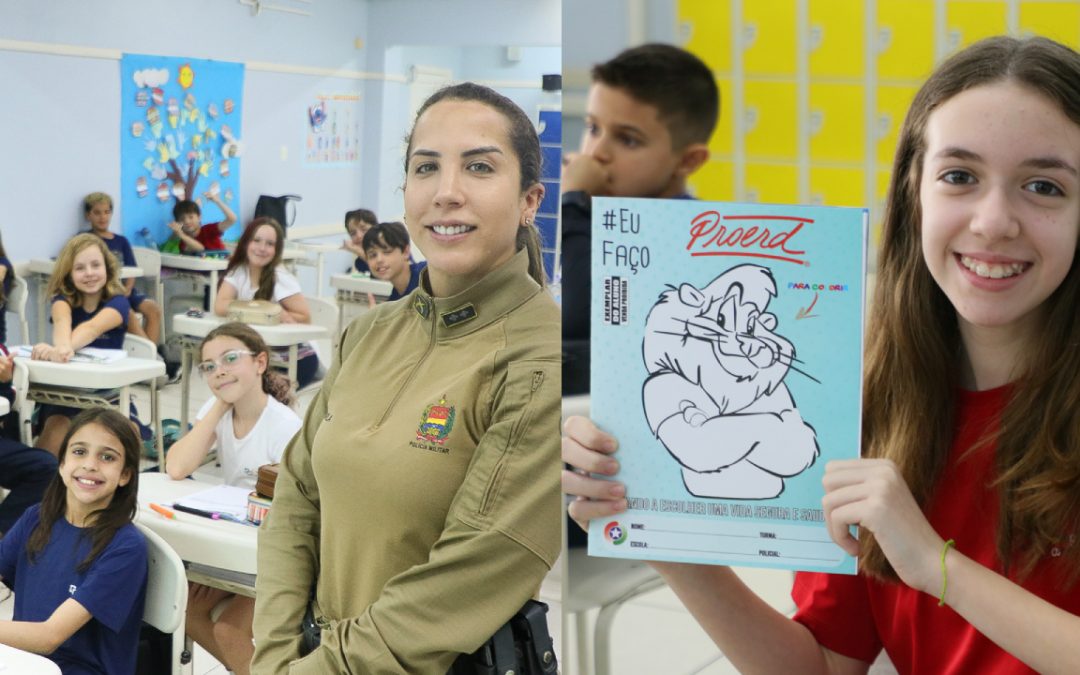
x: 235, y: 372
x: 88, y: 271
x: 1000, y: 197
x: 92, y: 470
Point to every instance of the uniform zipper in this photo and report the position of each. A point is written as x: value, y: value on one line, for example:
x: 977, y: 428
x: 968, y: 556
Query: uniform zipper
x: 500, y: 467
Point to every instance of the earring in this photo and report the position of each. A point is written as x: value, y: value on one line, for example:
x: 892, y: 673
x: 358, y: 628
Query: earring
x: 528, y: 221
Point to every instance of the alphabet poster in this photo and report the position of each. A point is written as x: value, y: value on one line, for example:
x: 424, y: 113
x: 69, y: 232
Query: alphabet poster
x: 727, y: 360
x: 180, y: 138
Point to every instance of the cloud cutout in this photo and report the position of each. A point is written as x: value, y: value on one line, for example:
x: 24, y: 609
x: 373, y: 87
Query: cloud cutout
x: 151, y: 77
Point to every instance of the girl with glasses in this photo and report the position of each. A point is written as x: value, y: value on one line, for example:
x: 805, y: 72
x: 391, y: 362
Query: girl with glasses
x: 250, y: 421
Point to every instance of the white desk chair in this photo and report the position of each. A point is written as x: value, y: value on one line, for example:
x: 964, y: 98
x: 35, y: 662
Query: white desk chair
x: 325, y: 313
x: 599, y: 583
x: 166, y: 595
x: 16, y: 304
x: 149, y: 261
x: 141, y: 348
x: 23, y: 407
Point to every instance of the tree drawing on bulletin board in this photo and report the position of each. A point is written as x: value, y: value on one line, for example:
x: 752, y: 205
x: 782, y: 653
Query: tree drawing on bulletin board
x: 180, y: 134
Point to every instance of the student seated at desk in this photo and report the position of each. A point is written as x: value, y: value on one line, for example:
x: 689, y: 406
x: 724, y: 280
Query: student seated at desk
x: 89, y: 309
x: 255, y: 273
x: 250, y: 421
x: 387, y: 246
x: 190, y: 235
x: 77, y: 564
x: 357, y: 224
x: 98, y: 208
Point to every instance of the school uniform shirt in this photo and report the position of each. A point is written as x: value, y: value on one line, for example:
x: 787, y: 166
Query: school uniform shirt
x: 264, y: 444
x: 112, y: 590
x: 415, y: 268
x: 112, y: 339
x: 857, y: 616
x: 9, y: 280
x: 285, y: 284
x: 422, y: 494
x: 209, y: 236
x: 121, y: 248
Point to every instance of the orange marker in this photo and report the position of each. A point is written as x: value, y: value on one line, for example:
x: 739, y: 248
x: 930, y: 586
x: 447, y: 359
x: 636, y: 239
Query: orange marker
x: 162, y: 510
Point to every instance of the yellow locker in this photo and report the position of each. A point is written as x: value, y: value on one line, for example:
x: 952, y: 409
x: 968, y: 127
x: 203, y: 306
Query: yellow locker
x: 769, y: 30
x: 836, y: 187
x: 892, y: 106
x: 905, y: 39
x: 772, y: 183
x: 968, y: 21
x: 714, y: 181
x: 837, y: 126
x: 771, y: 120
x: 878, y: 211
x: 1056, y: 20
x: 723, y: 136
x: 837, y: 38
x: 706, y: 29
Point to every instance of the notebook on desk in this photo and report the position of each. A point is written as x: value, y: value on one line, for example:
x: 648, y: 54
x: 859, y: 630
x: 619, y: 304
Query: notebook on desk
x: 84, y: 355
x: 219, y: 499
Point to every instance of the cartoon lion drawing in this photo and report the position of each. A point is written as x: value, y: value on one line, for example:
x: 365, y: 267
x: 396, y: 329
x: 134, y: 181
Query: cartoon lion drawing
x: 715, y: 395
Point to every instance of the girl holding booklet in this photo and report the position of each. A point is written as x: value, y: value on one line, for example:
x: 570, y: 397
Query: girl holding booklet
x: 250, y: 420
x: 967, y: 498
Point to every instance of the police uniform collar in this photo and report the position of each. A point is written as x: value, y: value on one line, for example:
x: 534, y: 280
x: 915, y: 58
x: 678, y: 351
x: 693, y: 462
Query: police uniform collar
x: 489, y: 299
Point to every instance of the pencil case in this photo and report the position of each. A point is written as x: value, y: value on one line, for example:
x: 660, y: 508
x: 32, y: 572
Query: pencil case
x: 257, y: 508
x: 255, y: 312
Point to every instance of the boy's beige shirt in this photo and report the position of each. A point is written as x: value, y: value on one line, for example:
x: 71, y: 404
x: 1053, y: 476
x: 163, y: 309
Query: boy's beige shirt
x: 423, y: 490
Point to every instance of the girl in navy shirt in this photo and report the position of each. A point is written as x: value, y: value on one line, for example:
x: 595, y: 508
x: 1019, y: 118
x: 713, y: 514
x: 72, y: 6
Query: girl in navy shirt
x: 77, y: 564
x: 89, y: 309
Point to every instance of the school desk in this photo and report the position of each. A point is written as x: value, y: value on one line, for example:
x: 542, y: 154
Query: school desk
x: 84, y: 385
x: 5, y: 406
x: 221, y: 554
x: 39, y: 270
x: 17, y: 662
x: 352, y: 293
x: 203, y: 270
x: 192, y: 329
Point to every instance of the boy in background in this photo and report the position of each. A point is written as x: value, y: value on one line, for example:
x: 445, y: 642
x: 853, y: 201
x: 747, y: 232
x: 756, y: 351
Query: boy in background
x: 193, y: 235
x: 98, y: 209
x: 649, y: 115
x: 387, y: 249
x: 357, y: 224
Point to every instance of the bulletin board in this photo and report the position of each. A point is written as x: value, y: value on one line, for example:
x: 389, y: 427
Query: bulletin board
x: 180, y: 138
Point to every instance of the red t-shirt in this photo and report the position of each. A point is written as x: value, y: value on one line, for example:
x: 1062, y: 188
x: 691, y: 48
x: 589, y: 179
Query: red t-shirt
x: 857, y: 616
x: 209, y: 236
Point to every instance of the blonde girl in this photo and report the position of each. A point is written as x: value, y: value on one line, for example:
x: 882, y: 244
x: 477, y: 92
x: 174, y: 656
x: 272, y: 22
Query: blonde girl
x: 89, y: 309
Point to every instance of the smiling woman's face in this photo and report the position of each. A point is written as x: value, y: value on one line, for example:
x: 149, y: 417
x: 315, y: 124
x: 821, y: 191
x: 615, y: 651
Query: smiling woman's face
x: 463, y: 198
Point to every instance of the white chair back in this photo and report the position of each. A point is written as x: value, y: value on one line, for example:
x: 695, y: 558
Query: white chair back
x: 325, y: 313
x: 139, y: 347
x: 149, y: 261
x: 166, y: 593
x: 16, y: 304
x: 24, y: 407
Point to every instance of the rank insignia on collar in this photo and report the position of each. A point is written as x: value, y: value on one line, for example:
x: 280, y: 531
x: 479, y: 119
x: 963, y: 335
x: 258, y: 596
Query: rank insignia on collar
x: 421, y: 306
x: 459, y: 315
x: 436, y: 422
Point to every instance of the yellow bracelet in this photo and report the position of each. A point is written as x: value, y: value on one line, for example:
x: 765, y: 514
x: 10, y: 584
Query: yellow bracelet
x: 944, y: 574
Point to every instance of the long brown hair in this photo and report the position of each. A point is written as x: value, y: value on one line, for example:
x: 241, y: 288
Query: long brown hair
x: 60, y: 282
x: 105, y: 522
x: 526, y: 145
x: 265, y: 289
x: 273, y: 383
x: 913, y: 344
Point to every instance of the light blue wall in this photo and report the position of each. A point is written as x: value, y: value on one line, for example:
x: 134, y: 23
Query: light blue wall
x: 62, y: 136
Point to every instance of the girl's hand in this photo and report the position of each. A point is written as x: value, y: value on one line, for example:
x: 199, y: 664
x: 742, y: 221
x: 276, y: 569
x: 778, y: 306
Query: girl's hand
x: 588, y: 450
x: 61, y: 354
x: 41, y: 351
x: 872, y: 494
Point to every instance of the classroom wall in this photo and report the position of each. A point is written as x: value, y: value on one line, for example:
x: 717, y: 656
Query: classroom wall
x: 76, y: 96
